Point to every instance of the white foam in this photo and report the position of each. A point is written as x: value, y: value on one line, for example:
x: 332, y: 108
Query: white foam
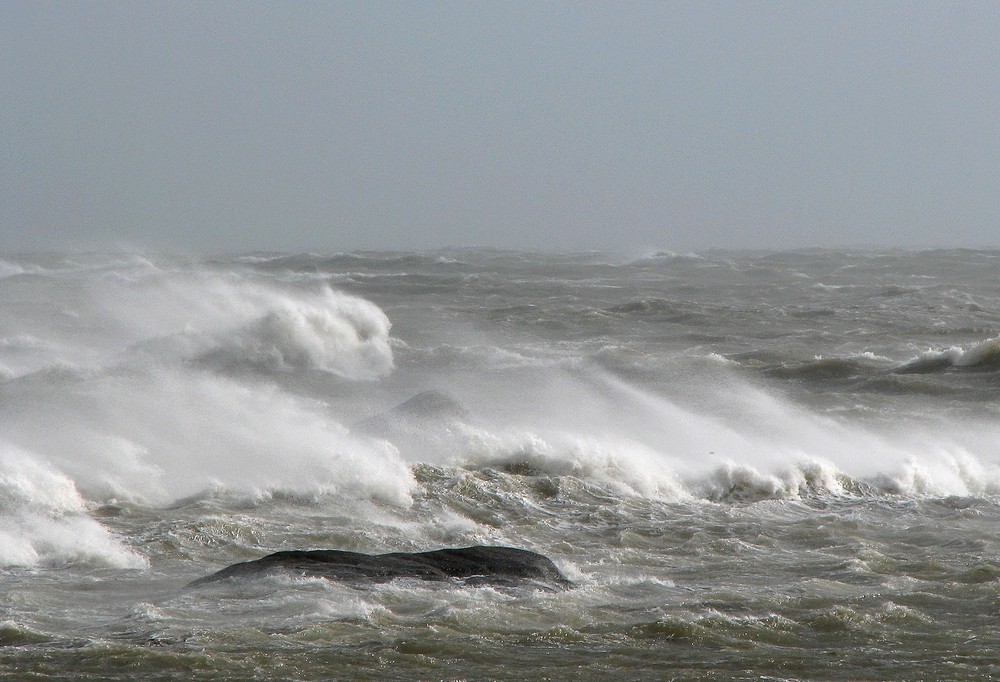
x: 168, y: 313
x: 156, y: 421
x: 12, y: 268
x: 668, y: 258
x: 733, y: 481
x: 138, y: 411
x: 982, y: 353
x: 608, y: 459
x: 329, y: 331
x: 233, y: 320
x: 24, y: 353
x: 168, y: 433
x: 44, y: 518
x: 742, y: 444
x: 8, y: 269
x: 722, y: 360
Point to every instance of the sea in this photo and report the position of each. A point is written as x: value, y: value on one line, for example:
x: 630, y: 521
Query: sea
x: 751, y: 465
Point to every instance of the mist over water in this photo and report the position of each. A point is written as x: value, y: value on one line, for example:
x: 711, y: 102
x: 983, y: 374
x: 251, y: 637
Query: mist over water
x: 744, y: 460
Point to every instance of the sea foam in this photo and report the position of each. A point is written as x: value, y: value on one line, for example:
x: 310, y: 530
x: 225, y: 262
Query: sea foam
x: 168, y: 433
x: 983, y: 356
x: 233, y: 321
x: 45, y: 519
x: 327, y: 331
x: 742, y: 445
x: 132, y: 397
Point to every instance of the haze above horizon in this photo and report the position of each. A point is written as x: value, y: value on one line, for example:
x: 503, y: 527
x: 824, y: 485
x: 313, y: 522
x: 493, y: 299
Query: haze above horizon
x: 222, y: 127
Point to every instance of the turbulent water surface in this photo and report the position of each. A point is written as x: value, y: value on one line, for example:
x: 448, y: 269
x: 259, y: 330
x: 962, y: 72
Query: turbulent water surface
x: 751, y: 465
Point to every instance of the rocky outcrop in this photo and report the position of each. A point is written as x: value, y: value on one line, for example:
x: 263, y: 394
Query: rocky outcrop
x: 481, y: 565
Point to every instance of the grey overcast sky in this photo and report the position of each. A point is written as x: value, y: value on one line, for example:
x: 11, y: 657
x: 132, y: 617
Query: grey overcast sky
x: 221, y: 127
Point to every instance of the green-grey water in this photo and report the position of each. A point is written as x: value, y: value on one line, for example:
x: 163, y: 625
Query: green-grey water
x: 752, y: 465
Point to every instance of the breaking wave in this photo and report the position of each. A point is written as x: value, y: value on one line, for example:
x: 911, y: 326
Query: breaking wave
x: 152, y: 383
x: 982, y: 357
x: 44, y: 518
x: 122, y: 393
x: 329, y: 331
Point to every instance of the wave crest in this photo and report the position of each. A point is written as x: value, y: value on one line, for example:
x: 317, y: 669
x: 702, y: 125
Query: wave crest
x: 983, y: 357
x: 332, y: 332
x: 628, y: 465
x: 44, y: 521
x: 741, y: 483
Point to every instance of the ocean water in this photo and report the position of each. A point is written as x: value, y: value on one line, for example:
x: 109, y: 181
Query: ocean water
x: 752, y: 465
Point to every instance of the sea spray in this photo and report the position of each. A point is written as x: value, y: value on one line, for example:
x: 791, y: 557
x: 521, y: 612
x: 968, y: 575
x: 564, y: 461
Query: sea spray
x: 235, y: 322
x: 163, y: 434
x: 45, y: 521
x: 718, y: 454
x: 330, y: 331
x: 147, y: 412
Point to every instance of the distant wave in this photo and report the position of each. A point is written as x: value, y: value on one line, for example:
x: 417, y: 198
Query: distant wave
x: 662, y: 309
x: 664, y: 258
x: 876, y: 372
x: 8, y: 269
x: 825, y: 368
x: 983, y: 357
x: 138, y: 381
x: 349, y: 261
x: 11, y: 269
x: 330, y: 331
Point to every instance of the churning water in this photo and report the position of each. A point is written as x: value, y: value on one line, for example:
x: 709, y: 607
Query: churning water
x: 780, y: 465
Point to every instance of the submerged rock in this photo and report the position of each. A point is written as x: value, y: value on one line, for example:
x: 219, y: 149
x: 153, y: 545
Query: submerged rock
x: 481, y: 565
x: 424, y: 410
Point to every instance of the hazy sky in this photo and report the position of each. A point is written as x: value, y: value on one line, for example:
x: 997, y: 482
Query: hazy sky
x: 219, y: 127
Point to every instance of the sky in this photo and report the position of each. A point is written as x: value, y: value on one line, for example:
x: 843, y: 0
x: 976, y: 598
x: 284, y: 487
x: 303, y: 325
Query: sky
x: 220, y: 127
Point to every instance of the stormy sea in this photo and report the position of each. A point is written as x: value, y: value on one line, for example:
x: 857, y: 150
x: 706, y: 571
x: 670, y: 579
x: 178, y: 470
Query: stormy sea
x: 751, y: 465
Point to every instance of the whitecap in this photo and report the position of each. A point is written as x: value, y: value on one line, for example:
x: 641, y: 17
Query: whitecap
x: 45, y: 521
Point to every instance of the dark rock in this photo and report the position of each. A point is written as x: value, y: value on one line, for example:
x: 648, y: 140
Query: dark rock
x: 423, y: 410
x: 499, y: 566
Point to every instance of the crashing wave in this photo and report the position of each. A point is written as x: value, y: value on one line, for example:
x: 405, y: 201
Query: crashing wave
x: 742, y: 483
x: 332, y: 332
x: 44, y: 520
x: 628, y: 465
